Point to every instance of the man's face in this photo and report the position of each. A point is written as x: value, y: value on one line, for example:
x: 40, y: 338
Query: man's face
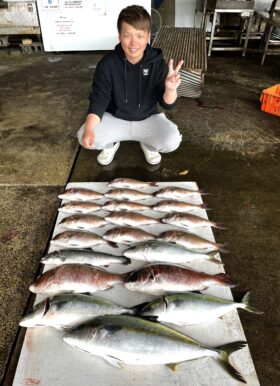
x: 133, y: 42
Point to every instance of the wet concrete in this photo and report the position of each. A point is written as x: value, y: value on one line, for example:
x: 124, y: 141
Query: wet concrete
x: 230, y: 148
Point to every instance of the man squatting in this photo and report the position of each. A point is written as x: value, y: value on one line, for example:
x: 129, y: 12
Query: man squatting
x: 128, y: 84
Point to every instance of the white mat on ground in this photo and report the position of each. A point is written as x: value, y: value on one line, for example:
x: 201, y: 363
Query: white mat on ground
x: 46, y: 360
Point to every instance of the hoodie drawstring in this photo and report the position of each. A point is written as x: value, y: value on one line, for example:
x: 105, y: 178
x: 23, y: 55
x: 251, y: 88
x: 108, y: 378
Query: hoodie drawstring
x: 140, y: 85
x: 140, y: 72
x: 125, y: 85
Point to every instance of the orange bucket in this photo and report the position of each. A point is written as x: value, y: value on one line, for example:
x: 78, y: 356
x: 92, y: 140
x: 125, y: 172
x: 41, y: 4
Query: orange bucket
x: 270, y: 99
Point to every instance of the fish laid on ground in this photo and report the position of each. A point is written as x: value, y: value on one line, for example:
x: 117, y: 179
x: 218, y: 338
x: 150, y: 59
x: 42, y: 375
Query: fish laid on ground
x: 82, y: 222
x: 159, y: 279
x: 122, y: 206
x: 75, y: 239
x: 175, y: 193
x: 80, y: 256
x: 80, y: 194
x: 162, y: 251
x: 186, y: 220
x: 192, y: 308
x: 69, y: 310
x: 170, y: 206
x: 74, y: 278
x: 131, y: 219
x: 191, y: 241
x: 79, y: 207
x: 130, y: 183
x: 127, y: 235
x: 127, y: 339
x: 127, y: 194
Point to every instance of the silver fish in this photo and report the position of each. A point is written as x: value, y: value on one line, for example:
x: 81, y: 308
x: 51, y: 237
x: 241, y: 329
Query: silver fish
x: 79, y: 207
x: 130, y: 183
x: 170, y: 206
x: 191, y: 241
x: 127, y: 339
x: 127, y: 194
x: 75, y: 239
x: 80, y: 256
x: 176, y: 193
x: 82, y: 222
x: 186, y: 220
x: 80, y: 194
x: 69, y: 310
x: 158, y: 279
x: 192, y: 308
x: 165, y: 252
x: 131, y: 219
x: 117, y: 206
x: 126, y: 235
x: 74, y: 278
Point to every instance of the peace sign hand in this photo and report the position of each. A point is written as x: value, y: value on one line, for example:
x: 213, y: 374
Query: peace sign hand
x: 173, y: 79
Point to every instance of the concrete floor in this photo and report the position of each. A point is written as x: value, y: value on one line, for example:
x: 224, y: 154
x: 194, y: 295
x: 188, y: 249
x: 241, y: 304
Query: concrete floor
x: 230, y: 148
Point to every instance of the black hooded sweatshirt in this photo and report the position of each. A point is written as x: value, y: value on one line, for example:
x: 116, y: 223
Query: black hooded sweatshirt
x: 129, y: 91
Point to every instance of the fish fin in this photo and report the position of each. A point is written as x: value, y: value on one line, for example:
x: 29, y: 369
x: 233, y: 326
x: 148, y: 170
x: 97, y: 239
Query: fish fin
x: 213, y: 258
x: 225, y: 351
x: 113, y: 361
x: 225, y: 280
x: 112, y: 244
x: 139, y: 307
x: 245, y: 301
x: 172, y: 366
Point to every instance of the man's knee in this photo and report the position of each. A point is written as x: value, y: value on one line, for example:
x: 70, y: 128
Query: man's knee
x: 172, y: 141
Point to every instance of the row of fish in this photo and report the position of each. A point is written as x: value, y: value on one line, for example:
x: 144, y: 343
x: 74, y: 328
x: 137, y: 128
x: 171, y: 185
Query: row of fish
x: 134, y: 219
x: 153, y: 279
x: 174, y: 193
x: 65, y: 311
x: 127, y: 235
x: 133, y: 335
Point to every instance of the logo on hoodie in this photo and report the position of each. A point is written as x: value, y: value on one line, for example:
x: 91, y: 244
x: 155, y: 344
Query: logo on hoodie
x: 145, y: 71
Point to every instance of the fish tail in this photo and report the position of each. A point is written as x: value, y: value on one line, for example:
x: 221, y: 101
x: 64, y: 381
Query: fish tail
x: 222, y: 248
x: 245, y: 301
x: 218, y: 225
x: 225, y: 280
x: 225, y: 351
x: 213, y: 259
x: 203, y: 192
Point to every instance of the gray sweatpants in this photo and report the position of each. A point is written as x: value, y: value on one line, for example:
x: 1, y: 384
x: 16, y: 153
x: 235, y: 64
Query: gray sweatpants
x: 157, y: 132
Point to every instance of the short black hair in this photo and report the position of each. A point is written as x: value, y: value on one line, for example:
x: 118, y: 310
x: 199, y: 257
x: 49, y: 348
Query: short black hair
x: 136, y: 16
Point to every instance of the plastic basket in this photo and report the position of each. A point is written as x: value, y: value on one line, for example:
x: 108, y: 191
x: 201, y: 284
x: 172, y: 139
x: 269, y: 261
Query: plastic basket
x: 270, y: 99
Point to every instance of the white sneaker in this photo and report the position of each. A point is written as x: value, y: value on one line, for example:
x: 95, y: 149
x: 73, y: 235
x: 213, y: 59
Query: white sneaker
x: 152, y: 157
x: 106, y: 156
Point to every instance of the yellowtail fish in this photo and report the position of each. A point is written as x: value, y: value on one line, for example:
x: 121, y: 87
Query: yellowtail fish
x: 124, y: 339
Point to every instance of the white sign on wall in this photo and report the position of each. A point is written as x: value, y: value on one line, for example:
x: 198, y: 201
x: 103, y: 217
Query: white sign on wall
x: 81, y: 25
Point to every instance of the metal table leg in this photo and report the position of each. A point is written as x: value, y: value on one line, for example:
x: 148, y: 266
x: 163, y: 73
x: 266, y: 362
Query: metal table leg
x: 247, y: 34
x: 212, y: 33
x: 267, y: 38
